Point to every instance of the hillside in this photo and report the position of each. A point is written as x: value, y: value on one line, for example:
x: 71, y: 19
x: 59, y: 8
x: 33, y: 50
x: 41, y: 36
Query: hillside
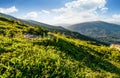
x: 52, y: 55
x: 103, y: 31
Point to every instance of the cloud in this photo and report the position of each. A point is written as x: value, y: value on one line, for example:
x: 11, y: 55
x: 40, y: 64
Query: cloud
x: 36, y: 14
x: 104, y: 10
x: 111, y: 19
x: 75, y: 11
x: 79, y: 11
x: 116, y: 16
x: 41, y: 16
x: 8, y: 10
x: 45, y: 11
x: 31, y: 15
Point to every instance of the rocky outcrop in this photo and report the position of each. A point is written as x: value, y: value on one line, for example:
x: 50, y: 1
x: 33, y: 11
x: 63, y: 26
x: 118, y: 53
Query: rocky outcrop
x: 117, y: 46
x: 30, y: 36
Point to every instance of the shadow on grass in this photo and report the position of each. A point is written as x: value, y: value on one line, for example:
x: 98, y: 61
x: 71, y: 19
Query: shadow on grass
x: 80, y: 53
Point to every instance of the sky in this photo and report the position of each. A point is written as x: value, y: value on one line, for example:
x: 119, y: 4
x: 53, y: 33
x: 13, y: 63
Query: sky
x: 57, y: 12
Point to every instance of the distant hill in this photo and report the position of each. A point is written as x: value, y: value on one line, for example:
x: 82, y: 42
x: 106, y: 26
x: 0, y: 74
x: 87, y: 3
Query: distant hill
x: 8, y: 16
x: 103, y: 31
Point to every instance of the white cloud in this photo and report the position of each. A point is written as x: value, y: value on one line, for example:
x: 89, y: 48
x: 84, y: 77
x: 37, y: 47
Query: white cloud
x: 116, y: 16
x: 8, y: 10
x: 75, y: 11
x: 112, y: 18
x: 45, y: 11
x: 31, y: 15
x: 104, y: 10
x: 36, y: 14
x: 79, y: 11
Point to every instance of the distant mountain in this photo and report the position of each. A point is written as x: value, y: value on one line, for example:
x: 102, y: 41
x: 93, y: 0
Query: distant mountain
x: 103, y: 31
x: 51, y: 28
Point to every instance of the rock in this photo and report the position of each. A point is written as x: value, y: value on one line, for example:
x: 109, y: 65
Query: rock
x: 117, y: 46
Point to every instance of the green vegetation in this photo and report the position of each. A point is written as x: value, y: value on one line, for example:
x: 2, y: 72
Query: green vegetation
x: 52, y: 55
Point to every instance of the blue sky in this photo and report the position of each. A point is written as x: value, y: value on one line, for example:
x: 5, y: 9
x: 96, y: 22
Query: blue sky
x: 63, y: 11
x: 113, y: 5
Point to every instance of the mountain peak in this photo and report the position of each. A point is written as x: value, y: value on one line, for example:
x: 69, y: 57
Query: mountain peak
x: 103, y: 31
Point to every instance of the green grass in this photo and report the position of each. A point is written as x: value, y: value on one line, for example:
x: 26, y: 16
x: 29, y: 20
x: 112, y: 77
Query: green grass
x: 56, y: 57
